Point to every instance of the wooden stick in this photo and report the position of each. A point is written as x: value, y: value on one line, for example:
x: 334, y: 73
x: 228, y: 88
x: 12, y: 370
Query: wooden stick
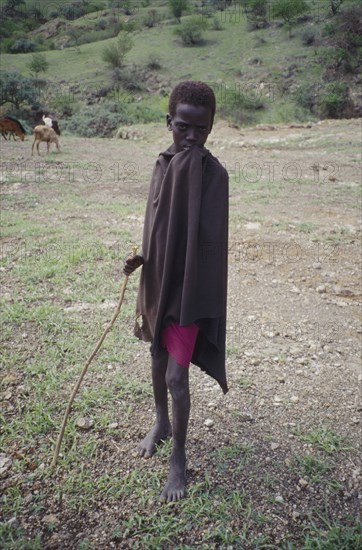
x: 85, y: 368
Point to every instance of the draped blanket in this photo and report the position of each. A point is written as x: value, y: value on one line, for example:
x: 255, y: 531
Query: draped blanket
x: 184, y: 276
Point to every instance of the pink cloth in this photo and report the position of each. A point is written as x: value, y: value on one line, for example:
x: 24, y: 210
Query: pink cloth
x: 180, y: 342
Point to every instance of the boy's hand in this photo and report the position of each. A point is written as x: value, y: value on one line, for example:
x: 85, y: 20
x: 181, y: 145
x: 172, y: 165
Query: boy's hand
x: 132, y: 263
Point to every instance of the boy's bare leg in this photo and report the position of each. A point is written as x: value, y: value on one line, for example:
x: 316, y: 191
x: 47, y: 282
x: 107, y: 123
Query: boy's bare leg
x: 162, y: 428
x: 177, y: 379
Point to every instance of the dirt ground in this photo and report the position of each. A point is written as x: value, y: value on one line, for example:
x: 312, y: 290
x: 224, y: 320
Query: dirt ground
x: 293, y: 332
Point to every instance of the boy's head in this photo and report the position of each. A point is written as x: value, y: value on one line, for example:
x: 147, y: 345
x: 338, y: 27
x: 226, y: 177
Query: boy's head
x: 191, y: 113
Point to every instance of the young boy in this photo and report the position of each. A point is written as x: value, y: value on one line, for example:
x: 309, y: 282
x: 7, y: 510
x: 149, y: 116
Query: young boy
x: 182, y: 295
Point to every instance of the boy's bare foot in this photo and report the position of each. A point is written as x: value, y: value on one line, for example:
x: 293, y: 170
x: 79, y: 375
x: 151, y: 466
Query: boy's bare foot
x: 175, y: 487
x: 158, y: 433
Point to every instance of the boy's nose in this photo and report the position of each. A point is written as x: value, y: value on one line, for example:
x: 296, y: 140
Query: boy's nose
x: 191, y: 136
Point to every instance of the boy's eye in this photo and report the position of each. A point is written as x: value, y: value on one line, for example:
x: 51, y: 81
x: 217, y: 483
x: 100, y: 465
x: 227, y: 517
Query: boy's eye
x: 181, y: 126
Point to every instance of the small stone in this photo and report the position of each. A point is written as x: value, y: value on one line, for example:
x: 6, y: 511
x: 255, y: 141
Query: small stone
x: 5, y: 463
x: 10, y: 380
x: 295, y: 515
x: 355, y: 420
x: 321, y: 289
x: 50, y: 519
x: 8, y: 395
x: 113, y: 425
x: 317, y: 265
x: 294, y: 399
x: 246, y: 417
x: 211, y: 405
x: 278, y: 399
x: 274, y: 445
x: 208, y: 422
x: 295, y: 290
x: 303, y: 483
x: 279, y: 499
x: 84, y: 423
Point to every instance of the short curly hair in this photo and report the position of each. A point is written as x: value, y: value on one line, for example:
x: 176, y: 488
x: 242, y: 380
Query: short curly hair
x: 193, y: 92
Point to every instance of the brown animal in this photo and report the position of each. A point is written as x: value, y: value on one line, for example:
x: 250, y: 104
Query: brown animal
x: 44, y: 133
x: 11, y: 126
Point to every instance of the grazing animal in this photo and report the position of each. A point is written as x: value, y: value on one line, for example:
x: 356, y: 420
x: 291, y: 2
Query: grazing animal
x: 44, y: 133
x: 9, y: 125
x: 51, y: 122
x: 47, y: 121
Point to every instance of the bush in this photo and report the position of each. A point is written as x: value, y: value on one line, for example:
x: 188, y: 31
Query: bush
x: 344, y: 36
x: 17, y: 89
x: 152, y: 19
x: 335, y: 100
x: 103, y: 120
x: 257, y: 13
x: 38, y: 64
x: 238, y: 105
x: 115, y: 53
x: 101, y: 24
x: 73, y: 11
x: 96, y: 120
x: 216, y: 24
x: 128, y: 80
x: 289, y: 11
x: 153, y: 62
x: 23, y: 45
x: 191, y: 31
x: 306, y: 96
x: 177, y: 8
x: 308, y: 37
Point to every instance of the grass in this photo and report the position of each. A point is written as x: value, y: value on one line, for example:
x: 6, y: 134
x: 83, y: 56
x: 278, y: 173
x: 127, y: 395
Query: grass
x: 221, y: 63
x: 65, y: 242
x: 325, y: 439
x: 312, y: 467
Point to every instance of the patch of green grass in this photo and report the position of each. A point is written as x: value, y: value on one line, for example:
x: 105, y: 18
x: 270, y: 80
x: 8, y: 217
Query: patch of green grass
x: 312, y: 467
x: 306, y: 227
x: 12, y: 537
x: 331, y: 535
x: 244, y: 382
x: 235, y: 456
x: 326, y: 440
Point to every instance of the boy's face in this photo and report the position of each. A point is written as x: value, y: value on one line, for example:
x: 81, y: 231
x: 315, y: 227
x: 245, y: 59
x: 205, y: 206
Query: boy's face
x: 190, y: 125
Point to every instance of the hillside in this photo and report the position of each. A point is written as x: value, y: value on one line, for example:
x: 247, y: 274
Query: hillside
x: 262, y: 70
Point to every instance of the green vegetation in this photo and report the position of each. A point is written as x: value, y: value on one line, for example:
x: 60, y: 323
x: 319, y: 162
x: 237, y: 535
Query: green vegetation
x: 38, y: 64
x: 177, y: 8
x: 191, y: 31
x: 249, y: 51
x: 114, y: 54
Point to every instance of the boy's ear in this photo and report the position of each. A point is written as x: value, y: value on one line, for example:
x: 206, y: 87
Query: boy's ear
x: 168, y: 121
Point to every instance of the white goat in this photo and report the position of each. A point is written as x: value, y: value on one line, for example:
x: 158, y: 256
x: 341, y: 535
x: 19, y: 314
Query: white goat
x: 44, y: 133
x: 47, y: 121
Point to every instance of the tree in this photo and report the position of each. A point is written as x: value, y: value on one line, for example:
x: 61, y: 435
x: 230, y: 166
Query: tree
x: 256, y: 12
x: 335, y: 6
x: 191, y: 31
x: 177, y: 8
x: 38, y: 64
x: 12, y: 7
x: 290, y: 10
x: 115, y: 53
x: 17, y: 89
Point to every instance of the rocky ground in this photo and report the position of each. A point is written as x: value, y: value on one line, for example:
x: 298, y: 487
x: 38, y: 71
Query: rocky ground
x: 286, y: 438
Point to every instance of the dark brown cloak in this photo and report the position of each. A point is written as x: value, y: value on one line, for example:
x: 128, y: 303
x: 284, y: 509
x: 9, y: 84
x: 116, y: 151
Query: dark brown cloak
x: 185, y: 236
